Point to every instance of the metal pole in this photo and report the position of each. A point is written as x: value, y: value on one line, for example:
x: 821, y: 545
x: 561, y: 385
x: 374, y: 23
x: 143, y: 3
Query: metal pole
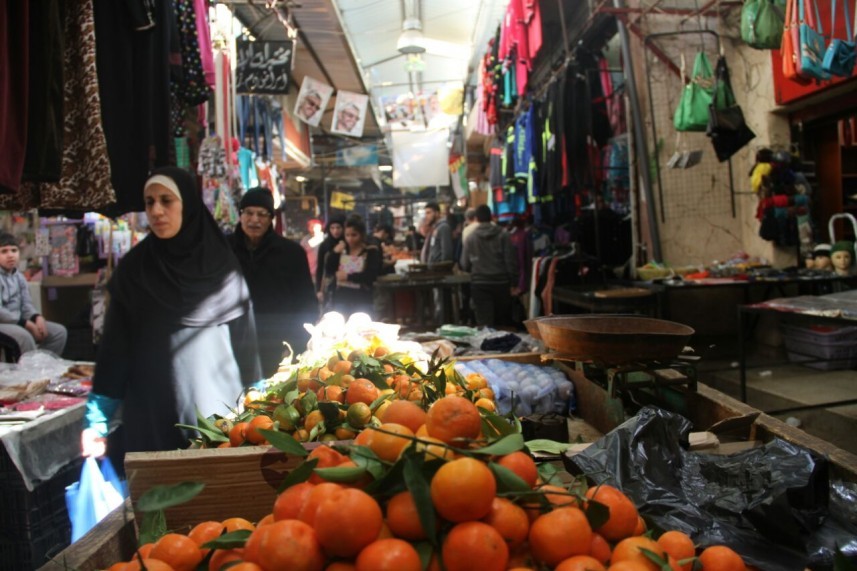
x: 639, y: 134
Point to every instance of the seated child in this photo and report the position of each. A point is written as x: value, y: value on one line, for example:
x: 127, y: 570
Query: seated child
x: 18, y: 317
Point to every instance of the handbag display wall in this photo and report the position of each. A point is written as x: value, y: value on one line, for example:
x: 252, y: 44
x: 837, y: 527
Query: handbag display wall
x: 841, y: 54
x: 696, y: 96
x: 762, y: 23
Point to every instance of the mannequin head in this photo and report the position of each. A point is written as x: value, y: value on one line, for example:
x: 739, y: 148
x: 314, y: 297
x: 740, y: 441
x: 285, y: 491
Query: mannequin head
x: 842, y: 257
x: 821, y: 257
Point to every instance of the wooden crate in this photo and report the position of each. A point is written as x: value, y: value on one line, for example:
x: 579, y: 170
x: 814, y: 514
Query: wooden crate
x: 239, y: 482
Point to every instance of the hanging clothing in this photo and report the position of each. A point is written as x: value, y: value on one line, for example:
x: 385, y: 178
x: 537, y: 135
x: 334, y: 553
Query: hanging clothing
x: 85, y: 182
x: 45, y: 117
x: 14, y: 91
x: 134, y: 86
x: 203, y: 34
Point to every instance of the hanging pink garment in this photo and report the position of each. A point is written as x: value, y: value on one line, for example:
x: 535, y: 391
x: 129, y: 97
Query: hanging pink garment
x: 203, y: 31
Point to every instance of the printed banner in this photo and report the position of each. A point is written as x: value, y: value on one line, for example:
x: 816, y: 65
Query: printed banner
x: 263, y: 67
x: 357, y: 156
x: 350, y: 113
x: 312, y: 101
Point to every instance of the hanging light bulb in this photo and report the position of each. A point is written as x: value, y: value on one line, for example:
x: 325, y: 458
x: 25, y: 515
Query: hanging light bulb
x: 411, y: 39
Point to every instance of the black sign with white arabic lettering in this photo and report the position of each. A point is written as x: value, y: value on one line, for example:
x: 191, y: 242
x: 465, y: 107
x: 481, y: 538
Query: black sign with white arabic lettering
x: 263, y: 67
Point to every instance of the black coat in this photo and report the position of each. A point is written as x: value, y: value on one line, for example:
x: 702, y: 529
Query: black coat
x: 277, y: 273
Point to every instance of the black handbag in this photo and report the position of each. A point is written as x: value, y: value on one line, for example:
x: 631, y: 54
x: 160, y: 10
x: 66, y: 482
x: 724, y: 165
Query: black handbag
x: 727, y: 128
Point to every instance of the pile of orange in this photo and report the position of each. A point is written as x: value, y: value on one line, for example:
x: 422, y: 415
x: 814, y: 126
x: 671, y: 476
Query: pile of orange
x: 472, y: 510
x: 328, y: 403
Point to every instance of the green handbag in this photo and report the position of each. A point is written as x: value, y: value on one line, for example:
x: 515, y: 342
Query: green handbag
x: 692, y: 111
x: 762, y: 23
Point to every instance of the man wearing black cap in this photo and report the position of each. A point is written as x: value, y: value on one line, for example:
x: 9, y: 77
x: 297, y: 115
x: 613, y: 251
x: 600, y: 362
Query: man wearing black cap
x: 277, y: 273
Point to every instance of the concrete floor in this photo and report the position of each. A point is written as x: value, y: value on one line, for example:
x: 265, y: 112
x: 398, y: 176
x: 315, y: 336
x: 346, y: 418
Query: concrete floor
x: 774, y: 384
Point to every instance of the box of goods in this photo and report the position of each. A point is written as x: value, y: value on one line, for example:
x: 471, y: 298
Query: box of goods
x: 827, y: 348
x: 240, y: 481
x: 34, y: 524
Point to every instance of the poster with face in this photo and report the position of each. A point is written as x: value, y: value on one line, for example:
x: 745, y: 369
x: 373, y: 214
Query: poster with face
x: 312, y: 101
x: 349, y: 114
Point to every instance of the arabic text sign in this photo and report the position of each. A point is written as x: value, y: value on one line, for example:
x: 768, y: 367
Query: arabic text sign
x: 263, y: 67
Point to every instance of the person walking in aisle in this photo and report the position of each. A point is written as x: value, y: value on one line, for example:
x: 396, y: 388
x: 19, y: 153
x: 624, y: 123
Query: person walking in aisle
x: 354, y: 266
x: 438, y: 245
x: 334, y: 231
x: 277, y: 273
x: 18, y: 316
x: 488, y: 255
x: 179, y: 335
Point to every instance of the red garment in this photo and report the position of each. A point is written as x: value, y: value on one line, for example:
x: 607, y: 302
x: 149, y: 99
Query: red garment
x: 533, y: 19
x: 14, y: 81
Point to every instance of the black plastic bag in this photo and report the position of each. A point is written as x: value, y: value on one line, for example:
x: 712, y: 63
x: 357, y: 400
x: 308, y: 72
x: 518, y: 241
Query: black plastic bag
x: 770, y: 503
x: 726, y: 128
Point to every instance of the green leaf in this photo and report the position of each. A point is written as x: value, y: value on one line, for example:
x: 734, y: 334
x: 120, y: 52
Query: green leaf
x: 205, y: 423
x: 319, y: 428
x: 365, y: 458
x: 309, y: 402
x: 390, y: 480
x: 418, y: 485
x: 163, y: 497
x: 507, y: 480
x: 549, y: 446
x: 597, y: 513
x: 547, y: 471
x: 215, y: 435
x: 291, y: 396
x: 153, y: 526
x: 229, y: 540
x: 654, y: 557
x: 494, y: 425
x: 425, y: 550
x: 506, y: 445
x: 299, y: 474
x: 347, y: 474
x: 284, y: 442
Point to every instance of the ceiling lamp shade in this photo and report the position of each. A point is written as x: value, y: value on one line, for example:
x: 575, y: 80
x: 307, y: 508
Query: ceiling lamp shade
x: 411, y: 39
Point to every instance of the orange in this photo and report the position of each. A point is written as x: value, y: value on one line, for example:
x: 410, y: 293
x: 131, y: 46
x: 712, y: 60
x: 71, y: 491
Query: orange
x: 150, y: 564
x: 268, y: 519
x: 556, y: 497
x: 331, y: 393
x: 120, y: 566
x: 486, y: 404
x: 629, y: 550
x: 599, y: 548
x: 641, y: 527
x: 433, y: 448
x: 679, y: 546
x: 580, y: 563
x: 463, y: 490
x: 341, y: 566
x: 343, y: 367
x: 474, y: 545
x: 289, y: 503
x: 454, y: 420
x: 623, y: 513
x: 144, y: 550
x: 361, y: 390
x: 221, y: 557
x: 288, y: 544
x: 263, y: 422
x: 559, y: 534
x: 178, y: 551
x: 235, y: 523
x: 205, y: 532
x: 628, y: 566
x: 347, y: 521
x: 389, y: 439
x: 389, y: 555
x: 403, y: 519
x: 238, y: 433
x: 318, y: 494
x: 312, y: 419
x: 365, y: 437
x: 359, y: 414
x: 522, y: 465
x: 721, y: 558
x: 406, y: 413
x: 327, y: 458
x: 510, y: 520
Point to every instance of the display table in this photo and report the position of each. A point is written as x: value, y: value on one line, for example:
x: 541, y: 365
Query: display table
x: 449, y: 286
x: 38, y: 460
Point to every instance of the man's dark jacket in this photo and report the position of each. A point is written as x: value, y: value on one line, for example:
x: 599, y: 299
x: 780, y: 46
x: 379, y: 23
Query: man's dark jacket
x: 277, y: 273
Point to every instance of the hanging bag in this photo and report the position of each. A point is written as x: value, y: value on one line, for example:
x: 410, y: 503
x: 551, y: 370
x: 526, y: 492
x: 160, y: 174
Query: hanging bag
x: 762, y: 23
x: 692, y: 111
x: 841, y: 54
x: 812, y: 42
x: 726, y: 126
x: 791, y: 45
